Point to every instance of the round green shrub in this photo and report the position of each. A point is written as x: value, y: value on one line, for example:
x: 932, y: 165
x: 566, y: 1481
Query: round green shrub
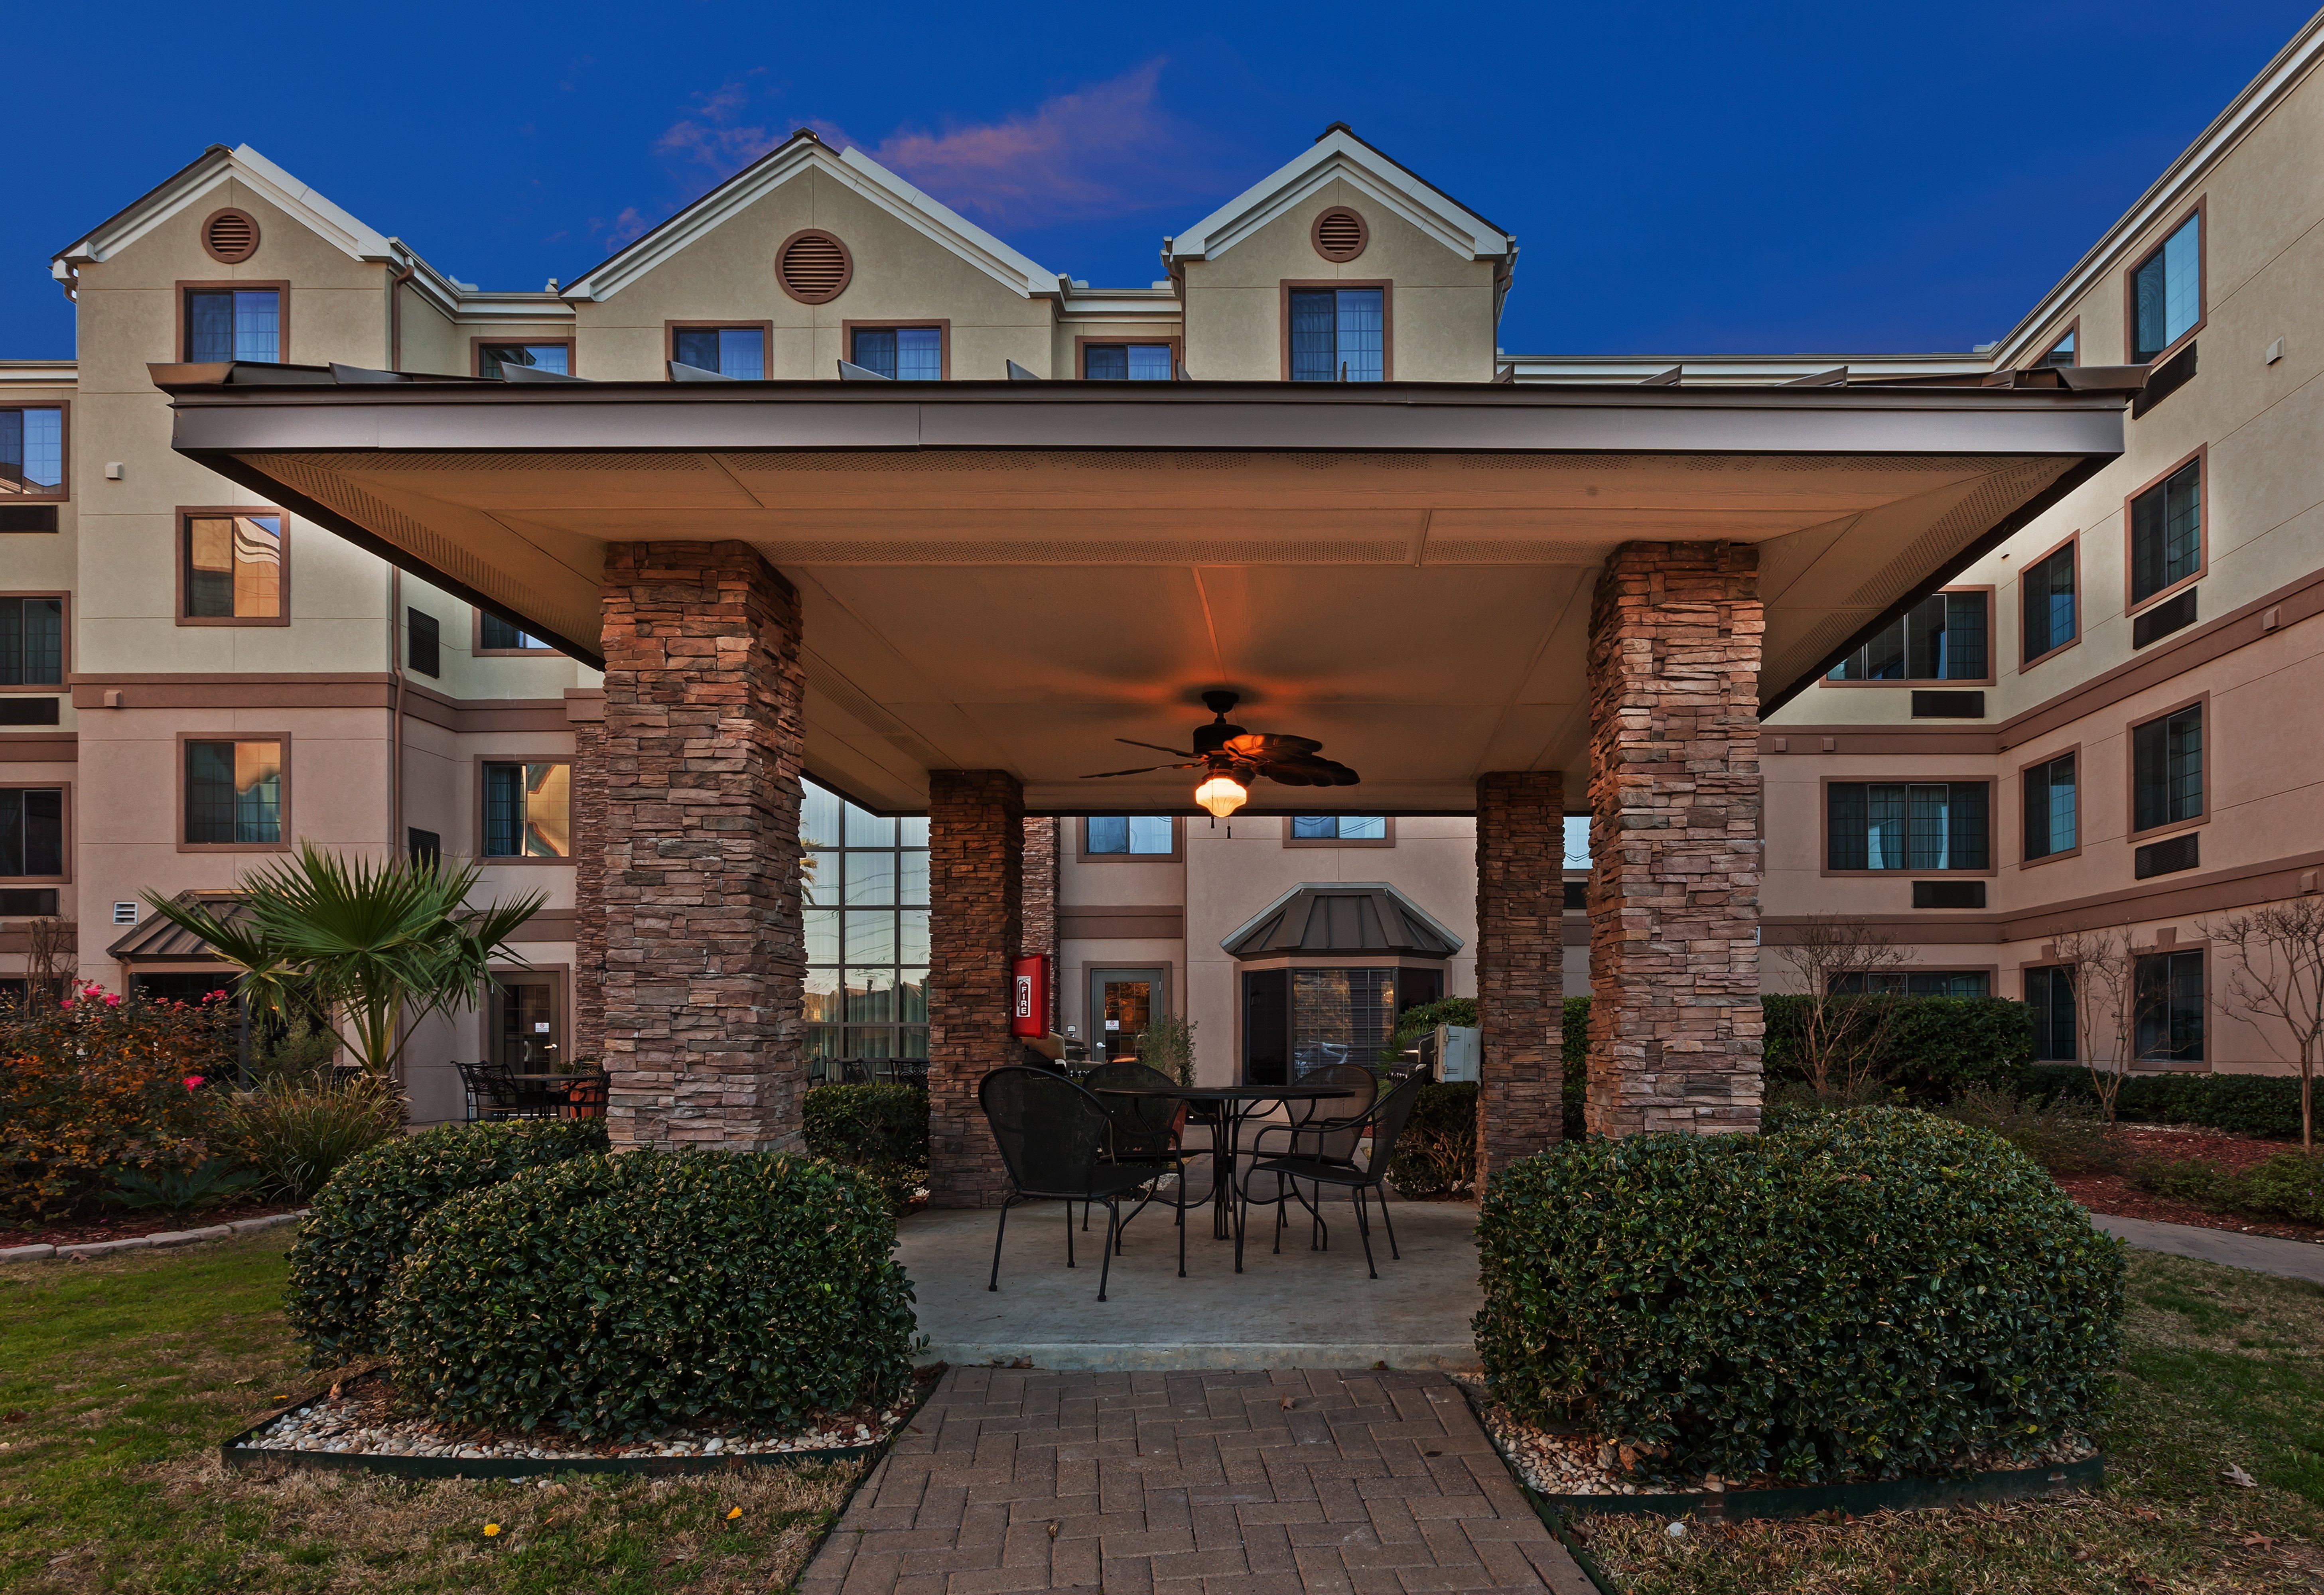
x: 1866, y: 1294
x: 361, y: 1224
x: 617, y: 1297
x: 883, y: 1130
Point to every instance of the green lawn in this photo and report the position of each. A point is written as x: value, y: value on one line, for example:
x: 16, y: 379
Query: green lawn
x: 2224, y: 1369
x: 118, y: 1378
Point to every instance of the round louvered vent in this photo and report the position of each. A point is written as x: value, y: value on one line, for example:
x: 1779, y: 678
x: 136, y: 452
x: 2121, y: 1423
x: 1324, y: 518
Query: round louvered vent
x: 813, y: 267
x: 230, y: 236
x: 1341, y: 234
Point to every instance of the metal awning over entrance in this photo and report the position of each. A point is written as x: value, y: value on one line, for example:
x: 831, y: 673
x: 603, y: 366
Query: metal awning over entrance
x: 1009, y: 576
x: 1342, y: 917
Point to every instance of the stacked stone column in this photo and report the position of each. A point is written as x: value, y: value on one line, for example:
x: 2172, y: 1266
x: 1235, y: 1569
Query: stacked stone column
x: 704, y: 955
x: 976, y: 924
x: 1675, y: 1016
x: 588, y: 799
x: 1041, y: 900
x: 1520, y: 966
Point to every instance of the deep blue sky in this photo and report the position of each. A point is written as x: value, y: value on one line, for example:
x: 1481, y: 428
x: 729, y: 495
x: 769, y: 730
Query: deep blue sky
x: 1681, y: 178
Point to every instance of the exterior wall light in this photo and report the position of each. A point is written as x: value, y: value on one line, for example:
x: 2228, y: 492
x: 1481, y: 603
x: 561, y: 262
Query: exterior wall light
x: 1222, y: 795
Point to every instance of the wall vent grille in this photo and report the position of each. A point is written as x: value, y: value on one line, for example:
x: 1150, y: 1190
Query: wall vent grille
x: 813, y: 267
x: 1341, y: 234
x: 231, y: 236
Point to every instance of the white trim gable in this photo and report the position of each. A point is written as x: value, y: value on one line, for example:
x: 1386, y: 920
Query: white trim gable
x: 864, y: 175
x: 218, y: 166
x: 1339, y: 155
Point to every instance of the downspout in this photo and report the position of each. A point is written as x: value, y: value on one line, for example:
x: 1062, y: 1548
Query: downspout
x: 395, y: 831
x: 395, y: 315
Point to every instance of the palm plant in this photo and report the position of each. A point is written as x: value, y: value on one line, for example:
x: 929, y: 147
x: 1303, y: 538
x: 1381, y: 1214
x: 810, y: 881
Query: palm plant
x: 379, y: 943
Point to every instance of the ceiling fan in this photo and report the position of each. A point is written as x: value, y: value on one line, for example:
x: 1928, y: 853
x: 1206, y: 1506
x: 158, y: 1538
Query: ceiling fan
x: 1234, y: 757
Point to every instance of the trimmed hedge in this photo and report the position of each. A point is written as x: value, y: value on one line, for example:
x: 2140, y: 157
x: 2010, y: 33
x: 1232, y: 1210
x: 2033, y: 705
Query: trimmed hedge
x: 2259, y: 1105
x: 362, y: 1223
x: 1438, y: 1152
x: 1935, y: 1048
x: 883, y: 1130
x: 616, y: 1298
x: 1866, y: 1293
x: 1574, y: 1052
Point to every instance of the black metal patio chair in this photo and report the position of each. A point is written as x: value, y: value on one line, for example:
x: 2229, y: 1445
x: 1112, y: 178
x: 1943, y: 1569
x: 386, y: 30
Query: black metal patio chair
x: 1053, y: 1137
x: 1384, y: 1124
x: 1326, y: 1130
x: 494, y: 1093
x: 1146, y: 1131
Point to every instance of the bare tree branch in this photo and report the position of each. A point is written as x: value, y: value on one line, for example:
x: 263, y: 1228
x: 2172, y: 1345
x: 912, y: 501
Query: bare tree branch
x: 1842, y: 1030
x: 2276, y: 970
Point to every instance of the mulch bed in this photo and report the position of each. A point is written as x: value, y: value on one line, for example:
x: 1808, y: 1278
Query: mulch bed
x: 129, y: 1225
x: 2114, y: 1194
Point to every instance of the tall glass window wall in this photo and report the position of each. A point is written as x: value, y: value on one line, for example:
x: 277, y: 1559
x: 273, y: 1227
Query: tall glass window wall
x: 866, y: 899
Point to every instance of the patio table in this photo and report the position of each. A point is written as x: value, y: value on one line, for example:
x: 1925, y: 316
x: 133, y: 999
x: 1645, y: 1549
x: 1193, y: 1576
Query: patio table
x: 1234, y: 1105
x: 556, y: 1090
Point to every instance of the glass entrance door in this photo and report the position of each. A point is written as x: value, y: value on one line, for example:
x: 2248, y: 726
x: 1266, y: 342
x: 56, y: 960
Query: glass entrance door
x: 527, y: 1032
x: 1121, y: 1002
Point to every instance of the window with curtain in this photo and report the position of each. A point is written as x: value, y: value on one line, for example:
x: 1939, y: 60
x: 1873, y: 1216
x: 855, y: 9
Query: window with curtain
x: 234, y: 567
x: 1921, y: 826
x: 1915, y: 982
x: 739, y: 352
x: 234, y: 793
x: 234, y: 324
x: 2167, y: 291
x: 555, y: 357
x: 1299, y: 1020
x: 2061, y: 353
x: 2166, y: 532
x: 1339, y: 335
x: 31, y: 641
x: 1940, y: 639
x: 33, y: 451
x: 907, y: 353
x: 31, y: 831
x: 494, y: 633
x: 1338, y: 827
x: 529, y: 810
x: 2050, y: 807
x: 2170, y: 998
x: 865, y: 886
x: 2050, y: 995
x: 1128, y: 362
x: 2166, y: 770
x: 2046, y: 593
x: 1129, y: 835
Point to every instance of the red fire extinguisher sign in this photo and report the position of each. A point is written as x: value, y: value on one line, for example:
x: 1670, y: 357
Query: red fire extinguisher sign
x: 1029, y: 1007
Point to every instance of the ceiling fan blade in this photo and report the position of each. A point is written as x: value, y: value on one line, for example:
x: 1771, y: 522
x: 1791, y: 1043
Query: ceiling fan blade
x: 1157, y: 747
x: 1149, y: 770
x: 1309, y: 772
x: 1266, y: 744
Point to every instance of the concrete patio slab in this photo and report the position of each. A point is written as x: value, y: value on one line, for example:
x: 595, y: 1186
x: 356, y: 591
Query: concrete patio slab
x: 1303, y: 1309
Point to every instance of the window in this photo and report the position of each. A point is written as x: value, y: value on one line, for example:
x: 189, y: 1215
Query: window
x: 555, y: 357
x: 424, y: 848
x: 495, y: 635
x: 2051, y: 812
x: 424, y: 645
x: 1131, y: 363
x: 1339, y: 335
x: 2049, y: 993
x: 2061, y: 353
x: 31, y: 641
x: 1338, y: 827
x: 865, y: 887
x: 2166, y: 292
x: 27, y: 902
x: 529, y: 810
x: 2166, y: 770
x: 739, y: 352
x: 2046, y: 590
x: 1907, y: 826
x: 2170, y: 998
x: 32, y: 452
x: 1296, y: 1021
x: 1915, y: 982
x: 234, y: 794
x: 907, y: 353
x: 2166, y: 532
x: 31, y: 832
x: 1940, y: 639
x: 234, y: 567
x: 234, y: 324
x: 1140, y: 836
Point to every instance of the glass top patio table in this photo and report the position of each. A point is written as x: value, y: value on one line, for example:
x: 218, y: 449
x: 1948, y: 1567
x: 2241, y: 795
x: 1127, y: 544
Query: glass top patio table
x: 1234, y: 1105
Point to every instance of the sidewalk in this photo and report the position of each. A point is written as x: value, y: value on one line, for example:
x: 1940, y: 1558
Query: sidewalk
x: 2264, y: 1254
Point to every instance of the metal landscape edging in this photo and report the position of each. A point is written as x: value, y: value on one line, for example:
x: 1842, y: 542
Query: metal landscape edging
x: 236, y: 1455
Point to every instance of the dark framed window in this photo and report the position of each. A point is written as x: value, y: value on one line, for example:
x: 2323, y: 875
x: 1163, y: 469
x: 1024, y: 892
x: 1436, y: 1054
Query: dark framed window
x: 739, y: 352
x: 2050, y: 994
x: 1133, y: 836
x: 33, y: 451
x: 1339, y: 335
x: 1129, y: 363
x: 2170, y: 998
x: 2051, y: 812
x: 2166, y: 532
x: 233, y: 568
x: 1908, y: 825
x: 31, y: 832
x: 1299, y: 1020
x: 2061, y: 353
x: 1915, y: 982
x: 555, y: 357
x: 865, y: 887
x: 529, y: 810
x: 495, y: 635
x: 2166, y: 292
x: 2051, y: 614
x: 2166, y: 770
x: 907, y: 353
x: 424, y: 848
x: 423, y: 642
x: 234, y: 324
x: 1338, y: 827
x: 31, y: 641
x: 234, y: 794
x: 1943, y: 638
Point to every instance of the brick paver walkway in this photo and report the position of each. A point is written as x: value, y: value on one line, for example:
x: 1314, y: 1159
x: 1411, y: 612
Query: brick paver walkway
x: 1280, y: 1483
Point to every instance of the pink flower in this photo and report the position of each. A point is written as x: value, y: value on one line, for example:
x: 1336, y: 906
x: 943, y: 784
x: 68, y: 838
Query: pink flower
x: 113, y: 999
x: 193, y: 1082
x: 68, y: 1003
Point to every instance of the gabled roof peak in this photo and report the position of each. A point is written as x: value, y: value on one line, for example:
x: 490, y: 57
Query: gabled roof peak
x: 1339, y: 155
x: 211, y: 170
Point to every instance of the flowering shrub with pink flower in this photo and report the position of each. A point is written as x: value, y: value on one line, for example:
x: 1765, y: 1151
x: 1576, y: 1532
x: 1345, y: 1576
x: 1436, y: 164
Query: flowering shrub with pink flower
x: 92, y: 1084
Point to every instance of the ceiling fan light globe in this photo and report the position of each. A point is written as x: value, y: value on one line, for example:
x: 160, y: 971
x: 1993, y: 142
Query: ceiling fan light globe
x: 1221, y: 796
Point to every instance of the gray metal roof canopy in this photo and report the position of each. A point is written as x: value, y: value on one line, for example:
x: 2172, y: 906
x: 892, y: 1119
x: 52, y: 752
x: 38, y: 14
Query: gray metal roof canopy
x: 1009, y: 575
